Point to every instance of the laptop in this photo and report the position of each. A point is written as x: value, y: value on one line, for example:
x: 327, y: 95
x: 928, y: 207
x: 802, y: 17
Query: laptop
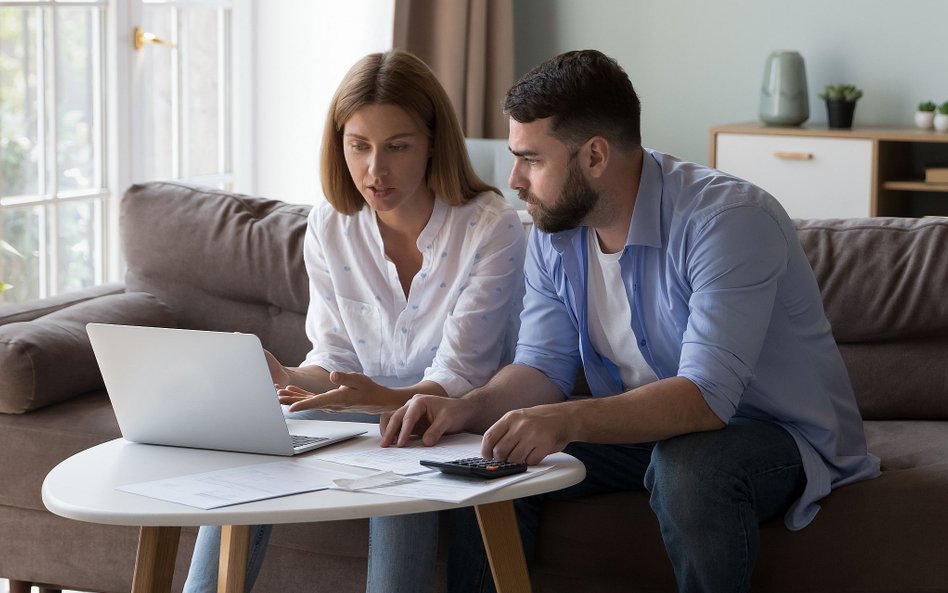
x: 200, y: 389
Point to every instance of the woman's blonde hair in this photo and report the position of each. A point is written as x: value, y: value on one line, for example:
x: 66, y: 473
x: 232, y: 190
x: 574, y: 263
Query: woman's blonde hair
x: 398, y: 78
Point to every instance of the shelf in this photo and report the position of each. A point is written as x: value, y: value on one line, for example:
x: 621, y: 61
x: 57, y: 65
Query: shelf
x: 887, y: 182
x: 915, y: 186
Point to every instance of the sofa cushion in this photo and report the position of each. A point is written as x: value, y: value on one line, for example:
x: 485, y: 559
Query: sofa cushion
x: 899, y: 379
x: 881, y: 278
x: 49, y: 359
x: 221, y: 261
x: 882, y: 281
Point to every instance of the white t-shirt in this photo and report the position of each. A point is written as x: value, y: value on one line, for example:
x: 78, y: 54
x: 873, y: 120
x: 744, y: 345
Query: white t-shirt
x: 460, y: 320
x: 609, y: 316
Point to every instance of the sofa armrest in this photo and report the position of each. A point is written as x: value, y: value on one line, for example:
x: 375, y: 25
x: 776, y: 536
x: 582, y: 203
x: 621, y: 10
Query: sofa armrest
x: 48, y: 358
x: 30, y: 310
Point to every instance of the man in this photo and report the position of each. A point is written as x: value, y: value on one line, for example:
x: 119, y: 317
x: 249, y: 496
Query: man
x: 682, y: 293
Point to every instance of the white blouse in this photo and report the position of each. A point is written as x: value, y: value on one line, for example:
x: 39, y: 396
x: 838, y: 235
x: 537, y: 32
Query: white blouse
x: 460, y: 320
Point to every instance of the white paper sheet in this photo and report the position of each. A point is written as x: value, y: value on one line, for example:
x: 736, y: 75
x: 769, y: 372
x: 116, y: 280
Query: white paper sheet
x: 434, y: 485
x: 220, y: 488
x: 404, y: 460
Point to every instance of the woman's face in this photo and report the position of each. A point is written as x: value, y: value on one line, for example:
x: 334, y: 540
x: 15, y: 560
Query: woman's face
x: 387, y: 155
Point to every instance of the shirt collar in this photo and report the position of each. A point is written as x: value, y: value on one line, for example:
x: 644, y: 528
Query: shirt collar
x: 646, y: 227
x: 435, y: 222
x: 438, y: 215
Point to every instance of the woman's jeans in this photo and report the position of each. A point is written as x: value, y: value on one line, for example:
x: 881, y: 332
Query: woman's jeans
x: 402, y: 549
x: 709, y: 490
x: 402, y: 555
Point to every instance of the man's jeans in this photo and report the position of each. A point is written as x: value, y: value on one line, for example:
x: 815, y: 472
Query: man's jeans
x: 710, y: 491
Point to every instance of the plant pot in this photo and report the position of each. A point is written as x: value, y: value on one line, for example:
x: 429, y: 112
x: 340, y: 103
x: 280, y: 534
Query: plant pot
x: 941, y: 122
x: 924, y: 119
x: 839, y: 114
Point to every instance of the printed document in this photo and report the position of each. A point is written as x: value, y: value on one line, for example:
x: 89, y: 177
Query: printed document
x: 404, y: 461
x: 220, y: 488
x: 434, y: 485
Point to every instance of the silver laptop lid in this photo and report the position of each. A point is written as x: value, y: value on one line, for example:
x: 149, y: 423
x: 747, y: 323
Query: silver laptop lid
x: 190, y: 388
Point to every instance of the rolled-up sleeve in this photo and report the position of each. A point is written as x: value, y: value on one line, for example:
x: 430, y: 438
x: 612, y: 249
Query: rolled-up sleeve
x: 737, y: 260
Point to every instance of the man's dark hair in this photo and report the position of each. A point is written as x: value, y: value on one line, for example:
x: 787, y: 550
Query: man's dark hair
x: 585, y: 92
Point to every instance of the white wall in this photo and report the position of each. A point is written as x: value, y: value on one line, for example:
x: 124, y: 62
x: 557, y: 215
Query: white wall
x: 696, y: 63
x: 303, y: 49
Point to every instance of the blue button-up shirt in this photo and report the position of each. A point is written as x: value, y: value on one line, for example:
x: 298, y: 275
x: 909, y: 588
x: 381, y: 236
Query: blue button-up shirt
x: 723, y: 295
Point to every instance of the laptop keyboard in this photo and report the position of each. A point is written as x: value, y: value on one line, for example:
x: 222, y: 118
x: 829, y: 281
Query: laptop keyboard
x: 303, y: 441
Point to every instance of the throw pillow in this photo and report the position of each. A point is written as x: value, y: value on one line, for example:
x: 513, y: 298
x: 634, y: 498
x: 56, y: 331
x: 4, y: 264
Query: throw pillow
x: 49, y: 359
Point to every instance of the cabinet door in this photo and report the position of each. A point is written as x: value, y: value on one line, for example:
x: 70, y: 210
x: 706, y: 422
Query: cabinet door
x: 812, y: 177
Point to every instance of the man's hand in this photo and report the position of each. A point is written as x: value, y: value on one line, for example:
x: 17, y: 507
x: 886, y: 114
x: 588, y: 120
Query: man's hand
x: 428, y: 415
x: 528, y: 435
x: 354, y: 393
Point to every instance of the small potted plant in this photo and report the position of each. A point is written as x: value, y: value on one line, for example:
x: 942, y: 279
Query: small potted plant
x: 941, y: 118
x: 925, y: 115
x: 840, y: 104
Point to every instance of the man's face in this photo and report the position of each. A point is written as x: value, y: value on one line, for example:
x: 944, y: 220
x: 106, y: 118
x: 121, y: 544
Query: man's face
x: 548, y: 177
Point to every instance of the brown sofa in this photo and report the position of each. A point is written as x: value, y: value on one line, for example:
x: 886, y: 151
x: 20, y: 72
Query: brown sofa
x: 207, y: 259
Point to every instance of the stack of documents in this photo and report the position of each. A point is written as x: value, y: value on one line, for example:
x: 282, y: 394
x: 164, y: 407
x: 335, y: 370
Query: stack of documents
x: 400, y: 474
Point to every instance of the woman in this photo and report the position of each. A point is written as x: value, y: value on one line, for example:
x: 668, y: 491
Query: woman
x: 415, y: 269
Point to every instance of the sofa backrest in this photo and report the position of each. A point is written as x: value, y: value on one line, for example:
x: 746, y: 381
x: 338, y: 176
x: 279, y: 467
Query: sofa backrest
x: 493, y: 161
x: 220, y: 261
x: 883, y: 282
x: 229, y: 262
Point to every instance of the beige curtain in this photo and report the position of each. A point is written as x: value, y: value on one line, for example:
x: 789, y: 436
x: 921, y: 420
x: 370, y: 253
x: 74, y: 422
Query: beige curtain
x: 469, y: 46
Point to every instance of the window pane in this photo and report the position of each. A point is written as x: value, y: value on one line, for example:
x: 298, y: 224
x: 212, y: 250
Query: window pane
x: 77, y: 122
x: 202, y: 86
x: 20, y: 227
x: 77, y: 244
x: 158, y: 91
x: 19, y: 147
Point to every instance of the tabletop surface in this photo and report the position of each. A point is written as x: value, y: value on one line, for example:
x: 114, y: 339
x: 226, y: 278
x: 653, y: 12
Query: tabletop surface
x: 83, y: 487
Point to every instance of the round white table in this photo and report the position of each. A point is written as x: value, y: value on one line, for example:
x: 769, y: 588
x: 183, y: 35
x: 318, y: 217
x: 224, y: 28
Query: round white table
x: 83, y: 487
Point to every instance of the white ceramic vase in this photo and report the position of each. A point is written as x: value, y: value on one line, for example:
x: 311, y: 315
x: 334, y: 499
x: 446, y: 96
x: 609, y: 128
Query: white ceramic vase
x: 941, y: 122
x: 783, y: 94
x: 924, y: 119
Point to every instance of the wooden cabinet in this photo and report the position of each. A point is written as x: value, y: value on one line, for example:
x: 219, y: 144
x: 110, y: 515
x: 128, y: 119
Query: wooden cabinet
x: 821, y: 173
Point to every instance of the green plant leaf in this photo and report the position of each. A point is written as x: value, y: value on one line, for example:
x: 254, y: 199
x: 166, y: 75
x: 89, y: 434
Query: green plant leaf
x: 4, y: 246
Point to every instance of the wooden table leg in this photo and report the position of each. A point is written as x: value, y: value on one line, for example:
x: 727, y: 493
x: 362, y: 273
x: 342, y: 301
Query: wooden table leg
x: 232, y: 571
x: 498, y: 523
x: 154, y: 562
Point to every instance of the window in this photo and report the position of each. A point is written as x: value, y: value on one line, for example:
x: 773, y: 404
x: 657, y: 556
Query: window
x: 182, y: 99
x: 83, y: 115
x: 53, y: 192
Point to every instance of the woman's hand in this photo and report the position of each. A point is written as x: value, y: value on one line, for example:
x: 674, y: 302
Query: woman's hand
x: 279, y: 373
x: 354, y: 393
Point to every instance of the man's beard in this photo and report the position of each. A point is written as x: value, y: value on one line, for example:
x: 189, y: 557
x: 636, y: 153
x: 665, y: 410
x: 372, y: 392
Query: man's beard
x: 576, y: 200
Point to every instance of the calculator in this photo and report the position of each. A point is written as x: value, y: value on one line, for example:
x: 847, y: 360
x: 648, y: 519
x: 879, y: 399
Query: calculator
x: 477, y: 467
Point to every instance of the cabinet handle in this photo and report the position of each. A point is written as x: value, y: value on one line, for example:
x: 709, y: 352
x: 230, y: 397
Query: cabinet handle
x: 794, y: 156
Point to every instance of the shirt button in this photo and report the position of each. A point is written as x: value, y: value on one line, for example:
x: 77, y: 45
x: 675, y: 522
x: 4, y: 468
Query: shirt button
x: 642, y: 343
